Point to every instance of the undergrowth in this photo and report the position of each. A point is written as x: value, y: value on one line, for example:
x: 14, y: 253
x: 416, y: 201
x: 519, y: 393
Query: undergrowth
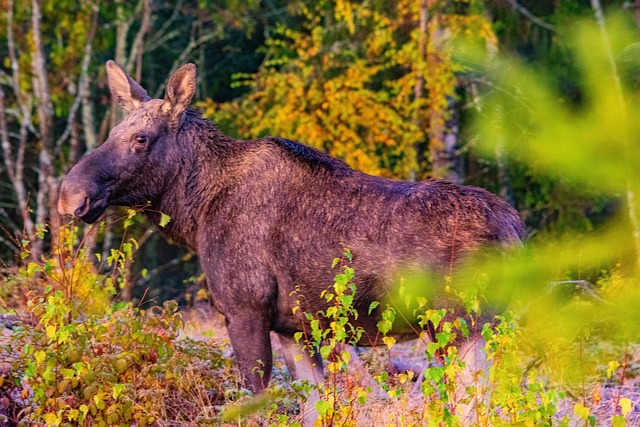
x: 77, y: 356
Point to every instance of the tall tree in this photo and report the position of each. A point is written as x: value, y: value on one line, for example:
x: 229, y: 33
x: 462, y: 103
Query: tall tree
x: 371, y: 82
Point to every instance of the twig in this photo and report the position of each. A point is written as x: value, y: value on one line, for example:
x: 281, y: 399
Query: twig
x: 584, y: 285
x: 162, y: 34
x: 523, y: 10
x: 138, y: 43
x: 194, y: 43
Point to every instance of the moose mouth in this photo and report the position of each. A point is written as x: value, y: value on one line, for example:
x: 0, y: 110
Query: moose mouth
x: 84, y: 208
x: 89, y: 212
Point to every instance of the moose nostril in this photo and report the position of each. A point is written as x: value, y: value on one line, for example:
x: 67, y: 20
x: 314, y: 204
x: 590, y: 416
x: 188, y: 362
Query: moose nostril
x: 82, y: 209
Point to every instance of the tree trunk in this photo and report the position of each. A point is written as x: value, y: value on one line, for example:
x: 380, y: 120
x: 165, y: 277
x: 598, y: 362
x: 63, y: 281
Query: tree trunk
x: 47, y: 181
x: 418, y: 90
x: 443, y: 119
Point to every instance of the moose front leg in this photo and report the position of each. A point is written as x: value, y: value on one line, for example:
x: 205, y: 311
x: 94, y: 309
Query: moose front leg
x: 252, y: 346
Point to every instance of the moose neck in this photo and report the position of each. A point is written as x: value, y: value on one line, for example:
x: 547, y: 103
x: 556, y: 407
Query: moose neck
x: 205, y: 165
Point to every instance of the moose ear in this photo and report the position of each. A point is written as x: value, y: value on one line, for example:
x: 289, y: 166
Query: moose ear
x: 124, y: 89
x: 180, y: 90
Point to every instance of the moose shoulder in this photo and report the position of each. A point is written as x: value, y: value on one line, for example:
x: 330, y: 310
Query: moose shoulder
x: 266, y: 217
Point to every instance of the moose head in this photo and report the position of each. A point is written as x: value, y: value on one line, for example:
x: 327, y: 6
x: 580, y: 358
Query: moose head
x: 137, y: 161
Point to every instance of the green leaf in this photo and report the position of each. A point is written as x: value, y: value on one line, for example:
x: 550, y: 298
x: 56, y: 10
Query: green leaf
x: 119, y: 306
x: 117, y: 391
x: 618, y: 421
x: 48, y: 268
x: 31, y: 370
x: 164, y: 220
x: 373, y: 306
x: 322, y: 406
x: 32, y: 267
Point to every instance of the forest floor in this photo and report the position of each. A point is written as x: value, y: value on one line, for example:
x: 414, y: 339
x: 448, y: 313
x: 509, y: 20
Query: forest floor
x: 601, y: 396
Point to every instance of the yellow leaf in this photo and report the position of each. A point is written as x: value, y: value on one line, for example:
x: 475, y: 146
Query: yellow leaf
x: 51, y: 331
x: 625, y: 405
x: 581, y: 411
x: 334, y: 367
x: 40, y: 356
x: 389, y: 341
x: 73, y: 414
x: 51, y: 419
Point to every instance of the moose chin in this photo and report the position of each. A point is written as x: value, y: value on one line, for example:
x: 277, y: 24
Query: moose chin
x: 267, y: 216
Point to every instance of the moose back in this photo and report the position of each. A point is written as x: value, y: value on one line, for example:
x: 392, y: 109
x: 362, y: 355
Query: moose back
x: 266, y: 217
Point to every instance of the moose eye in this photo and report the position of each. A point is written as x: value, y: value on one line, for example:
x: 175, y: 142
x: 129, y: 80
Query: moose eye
x: 141, y: 139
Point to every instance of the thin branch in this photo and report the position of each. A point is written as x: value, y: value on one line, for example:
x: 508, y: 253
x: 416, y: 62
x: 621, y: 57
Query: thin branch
x: 138, y: 43
x: 162, y: 35
x: 9, y: 244
x: 194, y: 43
x: 153, y: 273
x: 523, y: 10
x: 162, y: 40
x: 9, y: 219
x: 583, y: 285
x: 4, y: 140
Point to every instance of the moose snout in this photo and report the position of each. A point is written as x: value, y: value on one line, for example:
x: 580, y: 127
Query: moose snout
x: 73, y: 201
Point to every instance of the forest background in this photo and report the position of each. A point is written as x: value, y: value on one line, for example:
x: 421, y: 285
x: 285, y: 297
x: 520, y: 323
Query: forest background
x: 532, y: 99
x: 375, y: 83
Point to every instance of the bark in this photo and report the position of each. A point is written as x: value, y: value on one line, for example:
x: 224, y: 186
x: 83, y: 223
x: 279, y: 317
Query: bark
x: 137, y: 47
x: 122, y: 30
x: 88, y: 116
x: 443, y: 120
x: 81, y: 96
x: 449, y: 155
x: 418, y: 90
x: 15, y: 167
x: 47, y: 196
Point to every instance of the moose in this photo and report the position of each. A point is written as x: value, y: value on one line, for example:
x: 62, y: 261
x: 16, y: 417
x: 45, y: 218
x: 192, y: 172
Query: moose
x: 267, y: 216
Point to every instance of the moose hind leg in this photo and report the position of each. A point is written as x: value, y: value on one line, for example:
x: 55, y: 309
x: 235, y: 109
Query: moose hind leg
x: 303, y: 366
x: 476, y: 374
x: 252, y: 347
